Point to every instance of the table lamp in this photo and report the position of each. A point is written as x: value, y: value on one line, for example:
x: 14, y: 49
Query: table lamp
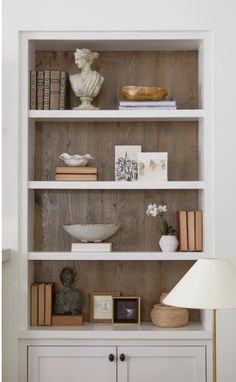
x: 209, y: 284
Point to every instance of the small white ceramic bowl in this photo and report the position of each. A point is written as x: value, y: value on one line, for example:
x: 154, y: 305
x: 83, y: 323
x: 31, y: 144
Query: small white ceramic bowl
x: 93, y: 233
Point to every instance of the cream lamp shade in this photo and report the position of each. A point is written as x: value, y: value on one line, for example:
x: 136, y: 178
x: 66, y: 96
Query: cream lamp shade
x: 209, y: 284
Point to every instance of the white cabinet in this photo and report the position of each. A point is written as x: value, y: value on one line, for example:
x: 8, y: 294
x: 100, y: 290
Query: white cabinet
x: 162, y: 364
x: 71, y: 364
x: 132, y: 364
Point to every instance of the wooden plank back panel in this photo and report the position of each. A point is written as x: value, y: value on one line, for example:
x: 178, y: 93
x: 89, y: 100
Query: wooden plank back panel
x: 147, y: 279
x: 138, y: 232
x: 175, y: 70
x: 179, y: 139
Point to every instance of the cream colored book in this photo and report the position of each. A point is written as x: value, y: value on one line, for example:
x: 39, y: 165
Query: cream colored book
x: 91, y: 247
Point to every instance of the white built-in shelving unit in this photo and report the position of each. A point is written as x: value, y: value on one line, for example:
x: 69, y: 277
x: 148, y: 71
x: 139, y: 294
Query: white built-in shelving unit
x: 33, y: 41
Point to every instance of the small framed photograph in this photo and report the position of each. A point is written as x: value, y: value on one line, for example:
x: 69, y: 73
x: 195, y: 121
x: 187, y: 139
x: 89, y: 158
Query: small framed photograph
x: 101, y: 306
x: 126, y: 310
x: 126, y: 163
x: 152, y: 167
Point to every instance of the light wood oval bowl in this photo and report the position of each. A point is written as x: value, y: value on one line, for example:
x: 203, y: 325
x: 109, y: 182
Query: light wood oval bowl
x: 144, y: 93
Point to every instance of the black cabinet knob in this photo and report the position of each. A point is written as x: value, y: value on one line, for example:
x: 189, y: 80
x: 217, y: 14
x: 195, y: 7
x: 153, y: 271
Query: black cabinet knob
x: 111, y: 357
x: 122, y: 357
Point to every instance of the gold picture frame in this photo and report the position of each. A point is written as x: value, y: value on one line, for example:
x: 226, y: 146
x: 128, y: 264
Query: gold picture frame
x: 101, y: 306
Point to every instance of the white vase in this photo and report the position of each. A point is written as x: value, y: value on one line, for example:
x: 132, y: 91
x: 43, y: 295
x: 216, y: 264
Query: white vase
x: 168, y: 243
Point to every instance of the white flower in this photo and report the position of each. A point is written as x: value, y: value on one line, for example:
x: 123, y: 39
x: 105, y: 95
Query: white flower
x: 162, y: 208
x: 152, y: 210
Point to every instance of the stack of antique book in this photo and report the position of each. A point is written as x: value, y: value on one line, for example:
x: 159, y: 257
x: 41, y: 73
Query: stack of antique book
x: 76, y: 173
x: 48, y: 89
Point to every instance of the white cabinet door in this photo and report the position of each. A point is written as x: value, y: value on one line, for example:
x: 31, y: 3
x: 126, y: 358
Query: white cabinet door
x: 161, y: 364
x: 71, y: 364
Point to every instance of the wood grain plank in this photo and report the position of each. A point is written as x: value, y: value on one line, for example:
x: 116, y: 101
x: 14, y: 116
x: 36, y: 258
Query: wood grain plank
x: 175, y: 70
x: 179, y: 139
x: 146, y: 279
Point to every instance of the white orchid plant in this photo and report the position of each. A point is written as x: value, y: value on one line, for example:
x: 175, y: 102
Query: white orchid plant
x: 154, y: 211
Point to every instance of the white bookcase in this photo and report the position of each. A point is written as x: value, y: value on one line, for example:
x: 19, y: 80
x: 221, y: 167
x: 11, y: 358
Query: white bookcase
x: 30, y: 42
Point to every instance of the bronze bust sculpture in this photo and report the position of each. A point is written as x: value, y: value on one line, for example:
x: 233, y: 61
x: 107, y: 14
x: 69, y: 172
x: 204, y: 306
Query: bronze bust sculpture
x: 69, y: 300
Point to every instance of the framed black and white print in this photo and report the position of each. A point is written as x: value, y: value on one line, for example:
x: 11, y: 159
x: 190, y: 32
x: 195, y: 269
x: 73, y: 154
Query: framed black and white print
x: 126, y: 163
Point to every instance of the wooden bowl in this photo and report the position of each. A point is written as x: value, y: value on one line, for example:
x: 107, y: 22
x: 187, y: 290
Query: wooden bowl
x: 144, y: 93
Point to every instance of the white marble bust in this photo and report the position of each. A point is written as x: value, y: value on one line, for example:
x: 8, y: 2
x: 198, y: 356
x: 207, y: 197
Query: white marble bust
x: 88, y: 82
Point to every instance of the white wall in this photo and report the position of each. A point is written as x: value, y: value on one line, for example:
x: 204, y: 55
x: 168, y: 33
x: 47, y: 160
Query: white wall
x: 216, y: 15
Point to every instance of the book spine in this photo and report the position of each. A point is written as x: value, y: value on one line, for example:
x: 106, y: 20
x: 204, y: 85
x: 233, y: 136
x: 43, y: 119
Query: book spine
x: 33, y: 86
x: 34, y: 305
x: 147, y: 108
x: 46, y: 104
x: 54, y: 89
x: 48, y: 303
x: 182, y: 230
x: 63, y: 85
x: 91, y: 247
x: 41, y: 304
x: 199, y: 231
x: 191, y: 231
x: 40, y: 89
x: 83, y: 177
x: 76, y: 170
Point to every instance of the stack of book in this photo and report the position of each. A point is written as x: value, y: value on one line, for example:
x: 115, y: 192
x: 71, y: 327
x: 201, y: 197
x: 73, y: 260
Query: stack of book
x: 147, y: 105
x: 190, y: 230
x: 41, y: 304
x: 76, y: 173
x: 91, y: 247
x: 48, y: 89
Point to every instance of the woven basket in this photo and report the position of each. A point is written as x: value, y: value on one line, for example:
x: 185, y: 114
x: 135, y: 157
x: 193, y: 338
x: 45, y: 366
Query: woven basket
x: 163, y: 295
x: 166, y: 316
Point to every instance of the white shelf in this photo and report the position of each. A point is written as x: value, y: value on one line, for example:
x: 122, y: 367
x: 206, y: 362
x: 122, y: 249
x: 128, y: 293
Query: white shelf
x: 74, y: 185
x: 116, y: 115
x: 193, y: 330
x: 122, y: 256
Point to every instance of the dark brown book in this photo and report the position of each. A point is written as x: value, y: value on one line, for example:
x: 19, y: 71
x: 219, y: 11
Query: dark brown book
x: 191, y: 230
x: 68, y: 320
x: 182, y: 230
x: 41, y: 304
x: 199, y: 231
x: 76, y: 170
x: 34, y: 305
x: 54, y: 89
x: 48, y: 303
x: 46, y: 101
x: 63, y: 90
x: 33, y: 87
x: 40, y: 89
x: 78, y: 177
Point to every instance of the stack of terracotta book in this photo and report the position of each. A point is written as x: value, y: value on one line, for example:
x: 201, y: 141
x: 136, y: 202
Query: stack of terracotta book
x: 41, y: 304
x: 76, y: 173
x: 190, y: 230
x: 41, y: 308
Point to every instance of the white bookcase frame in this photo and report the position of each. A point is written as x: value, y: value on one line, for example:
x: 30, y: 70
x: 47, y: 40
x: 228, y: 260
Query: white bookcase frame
x: 155, y: 40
